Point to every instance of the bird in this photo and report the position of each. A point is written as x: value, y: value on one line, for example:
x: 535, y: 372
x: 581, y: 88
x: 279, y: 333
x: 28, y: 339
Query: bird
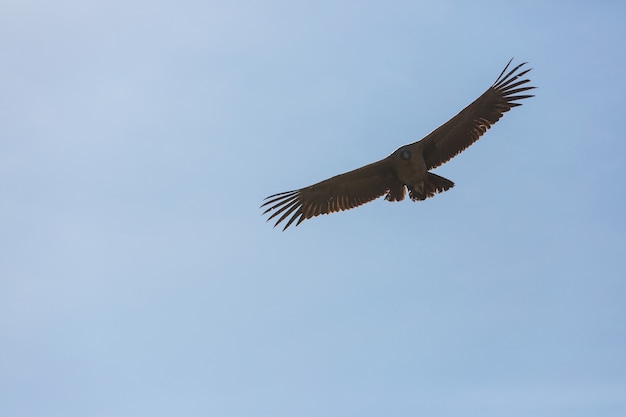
x: 408, y: 167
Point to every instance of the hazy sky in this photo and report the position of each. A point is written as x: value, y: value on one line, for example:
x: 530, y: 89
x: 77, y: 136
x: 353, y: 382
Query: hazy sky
x: 139, y: 278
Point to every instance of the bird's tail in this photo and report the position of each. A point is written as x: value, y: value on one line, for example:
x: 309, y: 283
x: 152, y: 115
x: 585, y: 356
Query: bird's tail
x: 433, y: 184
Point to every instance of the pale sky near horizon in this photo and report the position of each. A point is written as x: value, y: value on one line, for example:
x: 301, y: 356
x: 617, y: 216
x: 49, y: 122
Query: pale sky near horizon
x: 139, y: 278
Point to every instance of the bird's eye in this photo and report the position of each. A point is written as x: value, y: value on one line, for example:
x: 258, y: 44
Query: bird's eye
x: 405, y: 154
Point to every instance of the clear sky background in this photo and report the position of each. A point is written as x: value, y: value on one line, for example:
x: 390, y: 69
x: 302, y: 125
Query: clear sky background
x: 139, y: 278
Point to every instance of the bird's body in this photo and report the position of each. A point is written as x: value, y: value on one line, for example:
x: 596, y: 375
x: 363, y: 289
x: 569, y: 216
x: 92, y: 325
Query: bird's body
x: 408, y: 167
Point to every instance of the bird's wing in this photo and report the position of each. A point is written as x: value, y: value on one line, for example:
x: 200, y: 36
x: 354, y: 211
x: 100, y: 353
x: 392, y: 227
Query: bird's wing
x: 342, y: 192
x: 465, y: 128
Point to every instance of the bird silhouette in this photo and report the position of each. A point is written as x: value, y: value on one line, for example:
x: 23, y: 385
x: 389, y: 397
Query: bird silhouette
x: 408, y: 167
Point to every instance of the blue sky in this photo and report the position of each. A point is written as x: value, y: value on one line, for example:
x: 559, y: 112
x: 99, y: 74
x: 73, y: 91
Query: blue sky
x: 138, y: 277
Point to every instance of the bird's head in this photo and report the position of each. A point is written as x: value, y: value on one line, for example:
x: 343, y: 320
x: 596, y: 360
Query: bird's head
x: 404, y: 153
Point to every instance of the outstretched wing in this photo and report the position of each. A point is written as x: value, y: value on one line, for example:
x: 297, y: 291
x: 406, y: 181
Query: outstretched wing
x: 338, y: 193
x: 465, y: 128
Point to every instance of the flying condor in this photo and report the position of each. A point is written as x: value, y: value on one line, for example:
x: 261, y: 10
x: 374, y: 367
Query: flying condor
x: 408, y: 167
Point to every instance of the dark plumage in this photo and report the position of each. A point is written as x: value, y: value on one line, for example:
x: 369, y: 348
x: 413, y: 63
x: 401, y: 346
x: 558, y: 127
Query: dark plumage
x: 408, y: 166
